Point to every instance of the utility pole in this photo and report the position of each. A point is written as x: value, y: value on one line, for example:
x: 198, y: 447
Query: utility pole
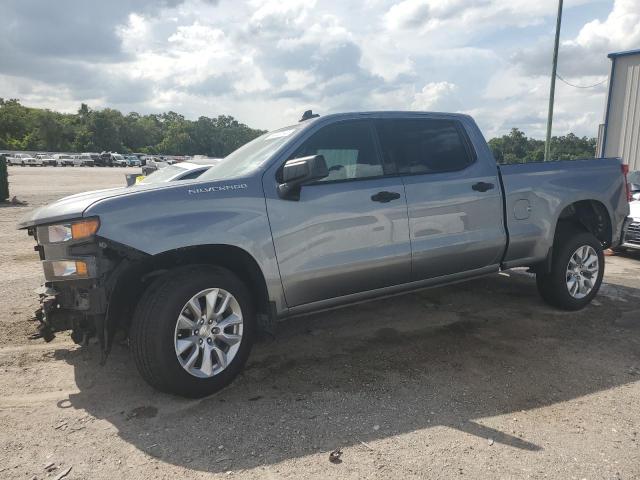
x: 547, y: 144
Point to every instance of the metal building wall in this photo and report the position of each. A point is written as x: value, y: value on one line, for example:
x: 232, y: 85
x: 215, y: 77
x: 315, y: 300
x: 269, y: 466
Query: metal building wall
x: 620, y: 135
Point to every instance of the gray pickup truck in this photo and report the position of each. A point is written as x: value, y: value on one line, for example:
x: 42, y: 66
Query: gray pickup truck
x: 331, y: 211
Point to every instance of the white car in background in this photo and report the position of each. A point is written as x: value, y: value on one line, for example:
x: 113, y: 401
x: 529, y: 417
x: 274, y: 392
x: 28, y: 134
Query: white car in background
x: 24, y: 159
x: 632, y: 236
x: 84, y: 160
x: 47, y: 160
x: 118, y: 160
x: 179, y: 171
x: 64, y: 160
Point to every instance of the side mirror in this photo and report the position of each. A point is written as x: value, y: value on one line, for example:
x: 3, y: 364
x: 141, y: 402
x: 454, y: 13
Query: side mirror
x: 298, y: 171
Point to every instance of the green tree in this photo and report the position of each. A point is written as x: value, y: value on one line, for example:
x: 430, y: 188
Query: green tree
x: 105, y: 130
x: 516, y: 147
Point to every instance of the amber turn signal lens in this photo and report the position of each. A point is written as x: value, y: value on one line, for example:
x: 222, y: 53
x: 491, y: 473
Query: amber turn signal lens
x: 85, y: 228
x: 81, y: 269
x: 66, y: 269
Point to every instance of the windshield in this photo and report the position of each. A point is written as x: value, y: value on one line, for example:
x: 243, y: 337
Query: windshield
x: 634, y: 177
x: 251, y: 155
x: 163, y: 174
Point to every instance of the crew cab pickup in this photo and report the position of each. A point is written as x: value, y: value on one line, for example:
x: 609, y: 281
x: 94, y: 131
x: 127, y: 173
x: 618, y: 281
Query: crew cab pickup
x: 324, y: 213
x: 24, y: 159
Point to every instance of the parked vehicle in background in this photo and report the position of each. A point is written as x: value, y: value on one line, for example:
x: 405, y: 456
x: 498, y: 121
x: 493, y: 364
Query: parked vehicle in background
x: 152, y: 165
x: 105, y: 160
x: 132, y: 161
x: 634, y: 181
x: 144, y: 159
x: 64, y: 160
x: 95, y: 157
x: 24, y: 160
x: 631, y: 239
x: 179, y: 171
x: 111, y: 159
x: 118, y: 160
x: 84, y: 160
x: 328, y: 212
x: 47, y: 160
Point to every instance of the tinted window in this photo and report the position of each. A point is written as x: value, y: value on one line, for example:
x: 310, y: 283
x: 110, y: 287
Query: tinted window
x: 347, y: 147
x: 423, y: 146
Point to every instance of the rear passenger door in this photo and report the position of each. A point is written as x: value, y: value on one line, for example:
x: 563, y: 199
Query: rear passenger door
x: 454, y: 201
x: 347, y: 233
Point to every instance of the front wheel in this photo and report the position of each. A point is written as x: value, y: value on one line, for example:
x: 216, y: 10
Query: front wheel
x: 193, y: 330
x: 576, y: 271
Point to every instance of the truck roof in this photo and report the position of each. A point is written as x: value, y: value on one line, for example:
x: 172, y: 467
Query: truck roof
x: 388, y: 114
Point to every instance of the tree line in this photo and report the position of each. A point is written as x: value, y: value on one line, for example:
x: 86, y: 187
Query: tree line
x: 88, y: 130
x: 516, y: 147
x: 24, y: 128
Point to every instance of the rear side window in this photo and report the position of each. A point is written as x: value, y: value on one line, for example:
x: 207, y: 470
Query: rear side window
x: 348, y: 149
x: 424, y: 145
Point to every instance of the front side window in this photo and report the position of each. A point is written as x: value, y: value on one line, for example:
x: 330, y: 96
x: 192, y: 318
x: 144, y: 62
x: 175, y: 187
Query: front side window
x: 348, y: 149
x: 423, y: 145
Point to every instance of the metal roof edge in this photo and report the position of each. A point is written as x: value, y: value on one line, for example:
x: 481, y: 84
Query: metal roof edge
x: 624, y: 53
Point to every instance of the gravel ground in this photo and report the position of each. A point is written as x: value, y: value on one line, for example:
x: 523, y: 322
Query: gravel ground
x: 476, y: 380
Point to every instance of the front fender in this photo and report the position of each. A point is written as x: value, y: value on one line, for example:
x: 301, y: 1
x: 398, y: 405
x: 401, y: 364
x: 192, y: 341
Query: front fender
x: 191, y: 215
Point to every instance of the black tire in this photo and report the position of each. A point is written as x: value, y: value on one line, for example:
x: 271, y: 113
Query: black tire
x: 154, y: 322
x: 552, y: 286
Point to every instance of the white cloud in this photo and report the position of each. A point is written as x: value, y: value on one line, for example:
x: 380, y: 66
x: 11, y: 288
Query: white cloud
x: 621, y: 30
x: 298, y: 79
x: 278, y: 14
x: 431, y: 94
x: 266, y: 61
x: 584, y: 57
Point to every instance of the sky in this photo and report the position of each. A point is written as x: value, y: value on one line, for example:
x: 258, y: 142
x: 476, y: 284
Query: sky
x: 266, y: 61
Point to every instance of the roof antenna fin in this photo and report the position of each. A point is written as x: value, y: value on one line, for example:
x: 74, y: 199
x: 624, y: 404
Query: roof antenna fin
x: 308, y: 115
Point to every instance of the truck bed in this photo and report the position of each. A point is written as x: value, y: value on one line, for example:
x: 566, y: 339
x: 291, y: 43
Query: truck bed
x: 537, y: 193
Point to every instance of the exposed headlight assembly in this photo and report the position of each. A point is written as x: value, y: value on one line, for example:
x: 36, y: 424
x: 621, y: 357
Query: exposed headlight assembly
x: 78, y: 230
x: 65, y: 269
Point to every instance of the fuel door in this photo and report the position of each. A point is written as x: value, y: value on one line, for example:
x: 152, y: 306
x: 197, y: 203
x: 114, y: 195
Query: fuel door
x: 522, y: 209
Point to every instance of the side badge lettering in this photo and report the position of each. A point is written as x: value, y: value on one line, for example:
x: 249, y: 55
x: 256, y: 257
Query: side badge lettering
x: 221, y: 188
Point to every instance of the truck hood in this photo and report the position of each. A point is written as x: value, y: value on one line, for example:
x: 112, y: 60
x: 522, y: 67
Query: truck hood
x: 73, y: 206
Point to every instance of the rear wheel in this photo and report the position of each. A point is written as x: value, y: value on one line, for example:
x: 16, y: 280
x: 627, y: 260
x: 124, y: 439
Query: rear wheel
x: 193, y: 330
x: 576, y: 271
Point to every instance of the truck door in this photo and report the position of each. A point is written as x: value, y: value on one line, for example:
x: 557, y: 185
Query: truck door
x: 454, y: 200
x: 348, y: 232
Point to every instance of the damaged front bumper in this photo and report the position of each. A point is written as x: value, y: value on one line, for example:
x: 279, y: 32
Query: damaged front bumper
x: 76, y: 306
x: 76, y: 268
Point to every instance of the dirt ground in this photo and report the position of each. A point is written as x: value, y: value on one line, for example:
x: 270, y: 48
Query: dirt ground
x: 476, y: 380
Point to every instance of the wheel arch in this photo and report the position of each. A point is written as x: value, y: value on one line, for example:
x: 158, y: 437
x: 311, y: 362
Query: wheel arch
x: 589, y: 214
x: 133, y: 277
